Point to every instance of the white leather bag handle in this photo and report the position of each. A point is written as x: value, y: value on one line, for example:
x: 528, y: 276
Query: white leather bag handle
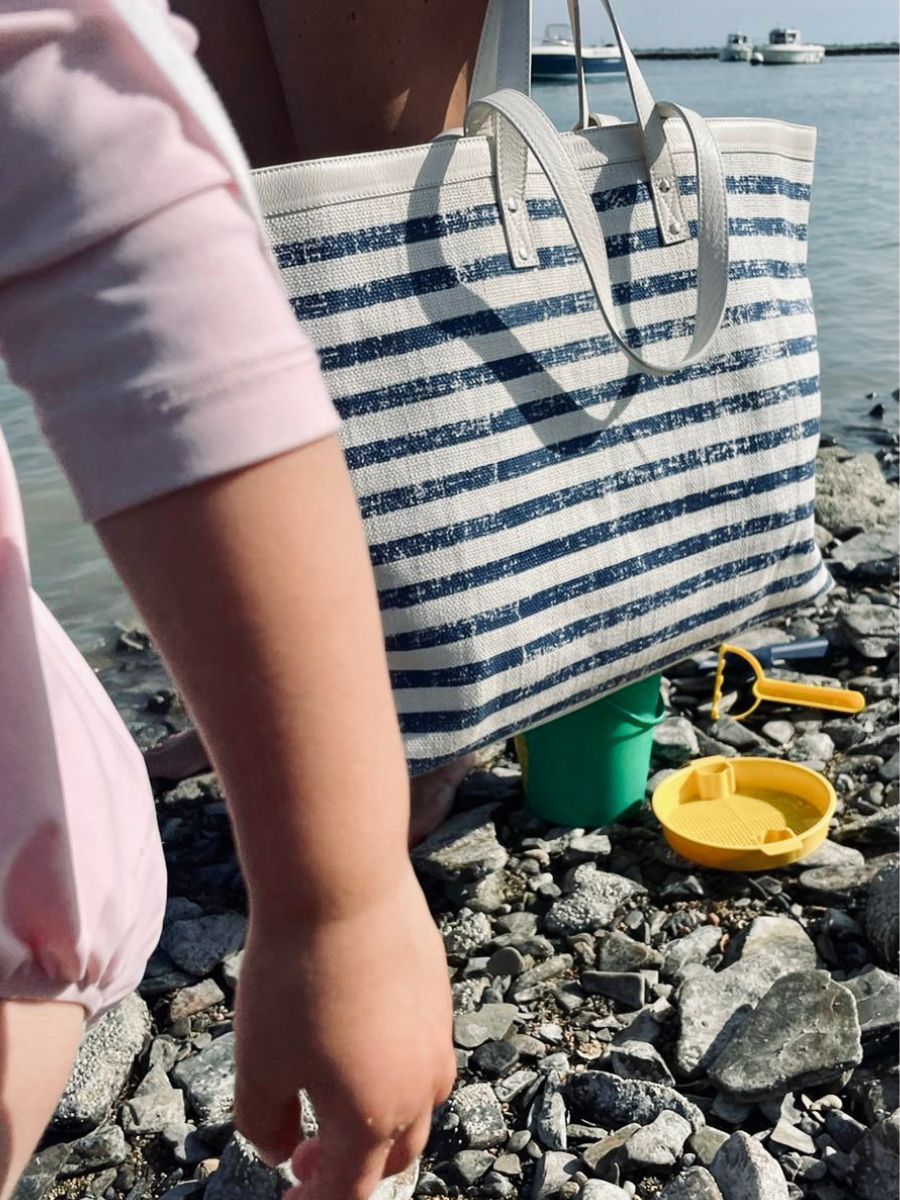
x: 509, y: 110
x: 504, y: 61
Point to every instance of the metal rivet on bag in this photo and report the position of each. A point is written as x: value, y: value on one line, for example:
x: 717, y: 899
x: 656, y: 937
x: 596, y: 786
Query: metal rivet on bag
x: 512, y: 204
x: 665, y: 185
x: 675, y: 227
x: 524, y: 253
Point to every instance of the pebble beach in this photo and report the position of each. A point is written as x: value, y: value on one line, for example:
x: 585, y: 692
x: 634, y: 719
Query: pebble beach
x: 628, y: 1026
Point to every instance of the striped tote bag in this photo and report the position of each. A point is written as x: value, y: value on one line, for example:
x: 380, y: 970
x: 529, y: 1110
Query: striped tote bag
x: 579, y: 385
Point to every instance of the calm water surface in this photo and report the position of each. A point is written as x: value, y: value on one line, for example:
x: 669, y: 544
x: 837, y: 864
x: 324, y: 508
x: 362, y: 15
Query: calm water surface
x: 853, y: 265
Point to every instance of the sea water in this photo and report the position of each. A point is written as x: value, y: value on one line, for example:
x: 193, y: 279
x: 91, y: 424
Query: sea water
x: 853, y: 266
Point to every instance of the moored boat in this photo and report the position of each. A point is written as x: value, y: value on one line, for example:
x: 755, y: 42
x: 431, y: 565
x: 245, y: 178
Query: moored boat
x: 785, y: 47
x: 737, y: 48
x: 554, y: 58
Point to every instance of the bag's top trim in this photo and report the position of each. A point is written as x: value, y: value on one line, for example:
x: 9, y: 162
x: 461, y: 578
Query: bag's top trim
x: 298, y: 187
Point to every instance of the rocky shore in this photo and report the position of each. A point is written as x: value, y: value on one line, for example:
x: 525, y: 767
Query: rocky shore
x: 628, y: 1025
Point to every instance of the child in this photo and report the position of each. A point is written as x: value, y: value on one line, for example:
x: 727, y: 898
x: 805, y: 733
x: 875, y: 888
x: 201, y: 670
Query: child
x: 138, y: 309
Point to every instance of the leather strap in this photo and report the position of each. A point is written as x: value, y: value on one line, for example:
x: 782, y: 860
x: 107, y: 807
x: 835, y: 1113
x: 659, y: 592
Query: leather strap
x: 510, y: 109
x: 504, y: 61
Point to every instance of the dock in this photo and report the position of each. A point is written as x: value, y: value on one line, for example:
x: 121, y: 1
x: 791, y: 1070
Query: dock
x: 713, y: 51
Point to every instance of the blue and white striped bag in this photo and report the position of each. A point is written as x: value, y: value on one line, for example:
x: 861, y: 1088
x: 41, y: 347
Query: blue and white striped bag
x: 552, y: 516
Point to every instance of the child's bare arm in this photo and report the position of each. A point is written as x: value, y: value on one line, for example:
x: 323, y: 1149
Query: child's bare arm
x: 258, y: 590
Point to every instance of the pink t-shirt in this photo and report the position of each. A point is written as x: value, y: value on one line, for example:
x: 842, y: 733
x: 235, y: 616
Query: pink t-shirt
x: 139, y: 311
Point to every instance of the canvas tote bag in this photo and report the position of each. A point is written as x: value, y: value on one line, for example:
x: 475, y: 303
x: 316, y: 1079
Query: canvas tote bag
x: 578, y: 378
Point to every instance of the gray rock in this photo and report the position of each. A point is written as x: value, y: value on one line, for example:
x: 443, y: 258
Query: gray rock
x: 154, y: 1105
x: 788, y: 1136
x: 693, y: 948
x: 593, y: 903
x: 103, y: 1147
x: 552, y: 1171
x: 208, y: 1080
x: 506, y: 961
x: 547, y: 1120
x: 492, y: 1022
x: 185, y: 1144
x: 883, y: 917
x: 865, y: 556
x: 877, y: 995
x: 695, y: 1183
x: 103, y: 1065
x: 872, y: 629
x: 675, y: 741
x: 838, y: 880
x: 242, y: 1175
x: 481, y: 1120
x: 832, y: 854
x: 465, y: 932
x: 605, y: 1156
x: 736, y: 734
x: 625, y: 987
x: 803, y: 1033
x: 812, y: 747
x: 587, y: 847
x: 745, y: 1171
x: 41, y: 1173
x: 599, y: 1189
x: 659, y: 1145
x: 878, y: 828
x: 852, y: 494
x: 844, y: 1130
x: 707, y: 1142
x: 616, y: 951
x: 639, y: 1060
x: 713, y: 1007
x: 470, y: 1165
x: 189, y: 1001
x: 610, y: 1101
x: 463, y: 848
x: 779, y: 732
x: 231, y: 968
x: 199, y: 944
x: 874, y: 1160
x: 163, y: 1053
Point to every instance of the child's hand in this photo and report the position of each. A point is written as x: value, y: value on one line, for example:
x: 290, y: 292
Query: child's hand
x: 358, y: 1012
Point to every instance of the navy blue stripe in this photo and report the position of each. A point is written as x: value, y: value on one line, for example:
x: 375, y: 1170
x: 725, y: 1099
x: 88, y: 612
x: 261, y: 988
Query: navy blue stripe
x: 574, y: 700
x: 532, y: 411
x: 464, y: 674
x: 444, y: 277
x: 438, y: 721
x: 528, y: 312
x: 439, y: 225
x: 473, y: 479
x: 493, y: 619
x: 411, y: 594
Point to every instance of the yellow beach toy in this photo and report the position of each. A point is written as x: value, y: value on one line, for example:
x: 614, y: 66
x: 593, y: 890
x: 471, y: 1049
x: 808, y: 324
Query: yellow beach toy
x: 752, y: 686
x: 744, y: 814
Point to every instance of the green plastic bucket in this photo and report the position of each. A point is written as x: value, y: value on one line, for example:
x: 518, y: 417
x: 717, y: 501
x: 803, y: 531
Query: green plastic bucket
x: 589, y: 767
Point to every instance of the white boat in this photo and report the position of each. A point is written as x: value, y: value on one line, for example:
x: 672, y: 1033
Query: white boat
x: 785, y: 46
x: 737, y: 48
x: 554, y: 58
